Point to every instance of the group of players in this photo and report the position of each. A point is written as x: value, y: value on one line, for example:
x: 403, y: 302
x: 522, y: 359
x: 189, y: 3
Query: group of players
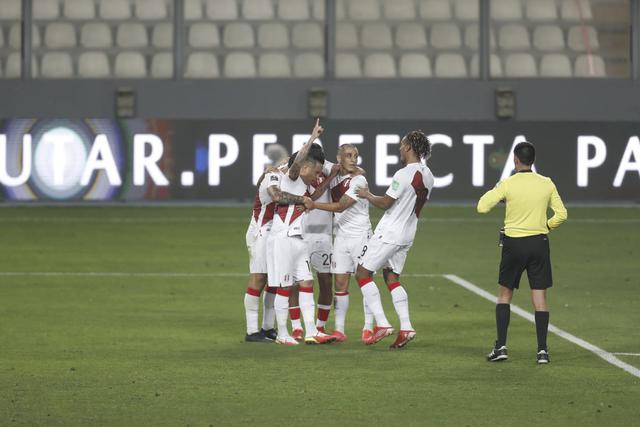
x: 310, y: 214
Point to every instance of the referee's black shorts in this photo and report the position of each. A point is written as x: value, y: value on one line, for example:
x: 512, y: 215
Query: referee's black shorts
x: 529, y: 253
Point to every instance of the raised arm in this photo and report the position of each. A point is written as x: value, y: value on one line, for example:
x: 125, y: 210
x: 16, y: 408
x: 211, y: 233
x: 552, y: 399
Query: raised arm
x: 294, y: 171
x: 559, y: 211
x: 491, y: 198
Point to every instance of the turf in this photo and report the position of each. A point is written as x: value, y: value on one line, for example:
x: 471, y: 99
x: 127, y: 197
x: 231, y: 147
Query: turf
x: 168, y: 350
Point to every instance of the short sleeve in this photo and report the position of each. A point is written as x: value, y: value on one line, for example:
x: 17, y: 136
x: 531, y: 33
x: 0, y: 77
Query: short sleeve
x: 273, y: 179
x: 356, y: 183
x: 326, y: 167
x: 398, y: 185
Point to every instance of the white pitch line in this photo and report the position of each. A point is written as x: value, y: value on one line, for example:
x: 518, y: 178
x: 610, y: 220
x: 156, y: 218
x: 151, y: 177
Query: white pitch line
x: 626, y: 354
x: 609, y: 357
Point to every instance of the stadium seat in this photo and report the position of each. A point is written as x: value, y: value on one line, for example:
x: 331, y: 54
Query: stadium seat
x: 293, y: 10
x: 95, y: 35
x: 10, y: 10
x: 130, y: 65
x: 506, y: 10
x: 435, y: 10
x: 317, y: 8
x: 162, y: 35
x: 14, y: 66
x: 376, y: 36
x: 466, y: 10
x: 514, y: 37
x: 308, y: 65
x: 192, y: 10
x: 576, y: 38
x: 273, y: 35
x: 132, y: 35
x: 59, y: 35
x: 204, y: 35
x: 222, y: 10
x: 450, y: 65
x: 346, y: 36
x: 151, y: 9
x: 495, y: 66
x: 472, y: 37
x: 379, y: 66
x: 445, y: 36
x: 364, y: 10
x: 411, y: 36
x: 555, y: 65
x: 79, y: 9
x: 238, y: 35
x: 548, y: 38
x: 56, y: 65
x: 93, y: 65
x: 115, y: 9
x: 348, y: 66
x: 520, y: 65
x: 583, y: 67
x: 45, y: 10
x: 541, y: 10
x: 576, y: 10
x: 414, y: 66
x: 15, y: 36
x: 240, y: 65
x: 307, y: 35
x: 274, y: 65
x: 399, y: 10
x: 162, y: 65
x: 202, y: 65
x: 257, y: 9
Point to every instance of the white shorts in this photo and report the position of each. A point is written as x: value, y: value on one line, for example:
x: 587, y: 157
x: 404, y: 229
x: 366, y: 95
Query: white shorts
x: 291, y: 261
x: 347, y: 251
x: 379, y: 254
x: 257, y: 246
x: 319, y: 252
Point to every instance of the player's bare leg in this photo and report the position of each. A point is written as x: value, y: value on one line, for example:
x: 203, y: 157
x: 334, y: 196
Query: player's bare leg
x: 372, y: 296
x: 341, y: 305
x: 257, y: 283
x: 294, y: 314
x: 325, y: 297
x: 401, y: 304
x: 307, y: 307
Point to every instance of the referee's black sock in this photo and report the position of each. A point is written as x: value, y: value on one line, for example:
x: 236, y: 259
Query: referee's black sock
x: 542, y: 325
x: 503, y: 313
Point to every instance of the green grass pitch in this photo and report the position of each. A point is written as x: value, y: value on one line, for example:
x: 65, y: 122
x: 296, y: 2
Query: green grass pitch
x: 162, y: 349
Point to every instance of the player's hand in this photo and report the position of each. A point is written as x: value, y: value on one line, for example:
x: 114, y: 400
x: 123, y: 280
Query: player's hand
x: 363, y: 192
x: 308, y: 203
x: 335, y: 169
x: 317, y: 129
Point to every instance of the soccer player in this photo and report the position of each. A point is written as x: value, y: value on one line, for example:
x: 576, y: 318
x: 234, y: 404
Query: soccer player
x: 525, y: 245
x: 388, y: 247
x: 290, y: 251
x: 352, y: 229
x: 256, y: 238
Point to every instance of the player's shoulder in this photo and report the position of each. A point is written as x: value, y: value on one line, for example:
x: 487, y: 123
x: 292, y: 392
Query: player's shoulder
x: 358, y: 179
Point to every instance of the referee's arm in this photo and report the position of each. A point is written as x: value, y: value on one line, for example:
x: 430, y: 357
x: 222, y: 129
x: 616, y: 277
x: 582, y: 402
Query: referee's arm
x: 492, y: 198
x: 559, y: 211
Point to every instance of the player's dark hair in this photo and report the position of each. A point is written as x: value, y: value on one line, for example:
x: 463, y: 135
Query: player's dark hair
x: 525, y: 152
x: 292, y: 159
x: 419, y: 142
x: 316, y: 154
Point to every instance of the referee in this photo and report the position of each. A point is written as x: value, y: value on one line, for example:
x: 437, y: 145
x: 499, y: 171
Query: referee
x: 525, y: 244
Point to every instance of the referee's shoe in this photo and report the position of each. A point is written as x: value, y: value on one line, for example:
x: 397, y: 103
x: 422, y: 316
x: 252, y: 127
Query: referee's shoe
x: 498, y: 354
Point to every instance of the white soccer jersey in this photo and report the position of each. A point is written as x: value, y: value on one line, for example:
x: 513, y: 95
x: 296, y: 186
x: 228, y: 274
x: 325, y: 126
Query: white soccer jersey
x: 353, y: 221
x: 289, y: 218
x: 318, y: 221
x: 411, y: 187
x: 264, y: 207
